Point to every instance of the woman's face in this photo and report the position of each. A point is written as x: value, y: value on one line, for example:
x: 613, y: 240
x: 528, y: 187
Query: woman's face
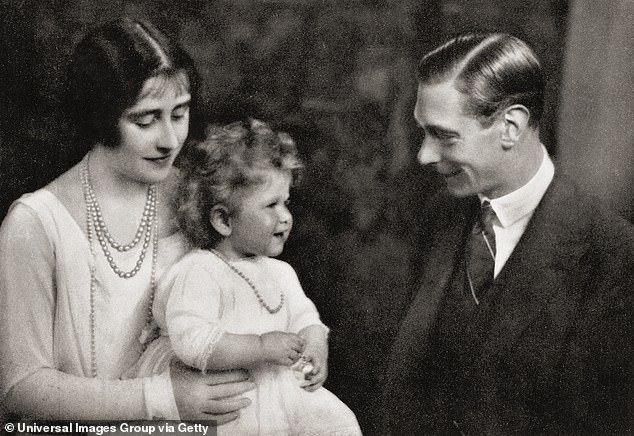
x: 152, y: 132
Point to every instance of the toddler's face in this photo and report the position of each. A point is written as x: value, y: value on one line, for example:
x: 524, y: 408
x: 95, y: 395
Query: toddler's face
x: 262, y: 223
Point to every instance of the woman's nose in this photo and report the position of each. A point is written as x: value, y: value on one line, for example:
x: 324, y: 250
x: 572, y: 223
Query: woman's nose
x: 168, y: 139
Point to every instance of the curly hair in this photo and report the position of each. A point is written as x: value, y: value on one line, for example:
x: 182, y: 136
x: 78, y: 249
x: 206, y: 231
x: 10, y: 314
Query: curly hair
x: 229, y: 159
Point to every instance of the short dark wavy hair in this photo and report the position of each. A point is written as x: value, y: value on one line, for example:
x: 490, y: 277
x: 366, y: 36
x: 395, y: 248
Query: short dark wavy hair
x: 493, y: 71
x: 230, y: 159
x: 107, y: 72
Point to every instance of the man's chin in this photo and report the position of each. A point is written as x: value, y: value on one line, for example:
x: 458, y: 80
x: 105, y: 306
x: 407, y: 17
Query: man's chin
x: 460, y: 191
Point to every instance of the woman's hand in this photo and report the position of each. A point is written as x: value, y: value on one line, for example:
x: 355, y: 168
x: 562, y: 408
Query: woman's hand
x: 281, y: 348
x: 213, y: 396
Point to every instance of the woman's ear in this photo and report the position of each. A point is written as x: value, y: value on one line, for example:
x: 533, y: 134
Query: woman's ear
x: 515, y: 119
x: 220, y: 219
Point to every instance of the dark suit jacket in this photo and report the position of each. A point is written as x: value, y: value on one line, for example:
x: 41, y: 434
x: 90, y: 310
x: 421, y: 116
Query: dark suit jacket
x: 554, y: 335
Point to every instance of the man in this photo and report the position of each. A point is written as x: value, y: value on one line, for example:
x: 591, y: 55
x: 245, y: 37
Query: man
x: 523, y: 319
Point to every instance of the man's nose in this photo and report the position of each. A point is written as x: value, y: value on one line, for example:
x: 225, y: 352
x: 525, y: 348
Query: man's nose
x: 429, y: 152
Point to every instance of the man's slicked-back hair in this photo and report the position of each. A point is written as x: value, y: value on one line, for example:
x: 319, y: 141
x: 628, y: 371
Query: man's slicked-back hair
x: 107, y: 72
x: 492, y: 71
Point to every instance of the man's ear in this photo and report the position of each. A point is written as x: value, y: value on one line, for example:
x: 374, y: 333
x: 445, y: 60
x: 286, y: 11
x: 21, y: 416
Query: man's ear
x: 220, y: 219
x: 515, y: 120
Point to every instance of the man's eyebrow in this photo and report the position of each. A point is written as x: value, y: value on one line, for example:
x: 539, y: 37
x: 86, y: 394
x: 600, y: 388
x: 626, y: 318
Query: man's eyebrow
x: 436, y: 130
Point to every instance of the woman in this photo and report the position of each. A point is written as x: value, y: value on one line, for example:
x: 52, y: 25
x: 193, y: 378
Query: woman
x: 74, y: 298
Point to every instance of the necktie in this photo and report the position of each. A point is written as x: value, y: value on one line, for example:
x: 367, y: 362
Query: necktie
x: 480, y: 260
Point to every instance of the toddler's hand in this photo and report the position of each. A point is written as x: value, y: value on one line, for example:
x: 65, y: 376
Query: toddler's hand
x: 316, y: 378
x: 281, y: 348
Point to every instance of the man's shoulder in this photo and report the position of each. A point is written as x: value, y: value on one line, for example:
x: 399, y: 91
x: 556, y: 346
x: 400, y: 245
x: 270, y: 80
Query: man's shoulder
x: 601, y: 225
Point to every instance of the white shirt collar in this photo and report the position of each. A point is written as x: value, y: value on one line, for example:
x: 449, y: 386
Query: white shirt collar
x: 523, y: 201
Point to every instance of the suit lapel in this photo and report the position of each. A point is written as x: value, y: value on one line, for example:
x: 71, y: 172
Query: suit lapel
x: 446, y: 248
x: 538, y: 274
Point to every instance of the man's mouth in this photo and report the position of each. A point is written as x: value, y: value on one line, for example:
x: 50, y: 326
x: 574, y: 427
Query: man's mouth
x: 449, y: 174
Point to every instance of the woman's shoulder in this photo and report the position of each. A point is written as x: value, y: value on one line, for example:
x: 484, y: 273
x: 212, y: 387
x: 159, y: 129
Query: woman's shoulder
x: 44, y: 213
x: 68, y: 191
x: 48, y: 202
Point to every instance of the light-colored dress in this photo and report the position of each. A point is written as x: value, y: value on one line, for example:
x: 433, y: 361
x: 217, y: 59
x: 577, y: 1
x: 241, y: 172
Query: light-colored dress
x: 45, y: 308
x: 200, y: 298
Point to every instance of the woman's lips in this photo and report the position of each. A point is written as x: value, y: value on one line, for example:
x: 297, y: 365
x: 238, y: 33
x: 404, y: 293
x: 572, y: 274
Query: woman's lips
x: 159, y: 160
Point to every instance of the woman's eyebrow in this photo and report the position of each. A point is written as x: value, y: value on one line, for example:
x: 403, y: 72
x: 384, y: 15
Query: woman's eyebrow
x: 156, y: 111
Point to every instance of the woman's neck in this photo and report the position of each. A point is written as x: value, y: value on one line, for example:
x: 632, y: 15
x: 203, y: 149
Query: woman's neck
x: 121, y: 200
x: 106, y: 181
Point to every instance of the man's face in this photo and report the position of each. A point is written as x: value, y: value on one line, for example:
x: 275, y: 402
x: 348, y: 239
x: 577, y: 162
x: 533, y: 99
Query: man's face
x: 467, y: 155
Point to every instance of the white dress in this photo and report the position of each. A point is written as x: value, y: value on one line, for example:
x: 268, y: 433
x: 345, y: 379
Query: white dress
x: 200, y: 298
x: 45, y: 308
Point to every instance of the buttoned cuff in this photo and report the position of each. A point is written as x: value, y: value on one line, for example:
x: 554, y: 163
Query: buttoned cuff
x: 159, y: 397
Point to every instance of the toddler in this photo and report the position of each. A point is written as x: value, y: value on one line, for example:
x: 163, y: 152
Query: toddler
x: 228, y: 304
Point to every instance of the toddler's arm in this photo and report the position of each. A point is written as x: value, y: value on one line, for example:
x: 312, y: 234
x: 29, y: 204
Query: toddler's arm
x: 245, y: 351
x: 316, y: 351
x: 193, y: 317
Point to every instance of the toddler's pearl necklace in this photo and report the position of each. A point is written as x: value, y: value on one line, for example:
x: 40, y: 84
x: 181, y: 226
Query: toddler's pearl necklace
x: 255, y: 291
x: 96, y: 224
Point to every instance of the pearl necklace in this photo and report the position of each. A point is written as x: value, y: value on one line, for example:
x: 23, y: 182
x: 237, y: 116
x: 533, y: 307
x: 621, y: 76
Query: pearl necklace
x: 101, y: 230
x: 91, y: 226
x: 246, y: 279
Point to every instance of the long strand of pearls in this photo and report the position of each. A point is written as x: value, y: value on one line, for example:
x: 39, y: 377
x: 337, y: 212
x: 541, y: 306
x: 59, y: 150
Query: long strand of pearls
x: 149, y: 221
x: 103, y: 235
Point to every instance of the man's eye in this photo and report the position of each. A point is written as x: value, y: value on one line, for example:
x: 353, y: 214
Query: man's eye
x: 447, y: 138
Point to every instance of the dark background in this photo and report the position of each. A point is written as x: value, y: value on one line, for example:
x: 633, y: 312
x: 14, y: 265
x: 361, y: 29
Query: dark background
x: 339, y: 76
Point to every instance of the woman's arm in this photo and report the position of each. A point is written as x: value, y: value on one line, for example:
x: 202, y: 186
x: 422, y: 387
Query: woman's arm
x: 30, y: 384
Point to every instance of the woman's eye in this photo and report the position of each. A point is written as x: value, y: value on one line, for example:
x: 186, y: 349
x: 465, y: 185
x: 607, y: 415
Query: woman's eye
x: 180, y: 112
x: 144, y: 120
